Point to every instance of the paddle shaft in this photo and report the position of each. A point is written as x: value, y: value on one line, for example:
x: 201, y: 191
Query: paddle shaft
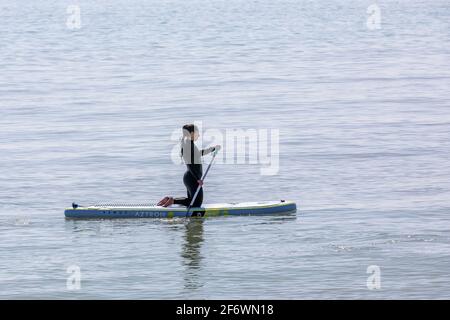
x: 199, y: 186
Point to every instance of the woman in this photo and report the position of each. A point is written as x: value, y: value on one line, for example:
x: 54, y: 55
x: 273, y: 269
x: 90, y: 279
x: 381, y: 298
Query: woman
x: 193, y: 175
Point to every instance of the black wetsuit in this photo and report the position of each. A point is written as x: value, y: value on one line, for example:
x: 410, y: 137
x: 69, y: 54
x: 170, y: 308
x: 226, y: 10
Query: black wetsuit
x: 192, y: 157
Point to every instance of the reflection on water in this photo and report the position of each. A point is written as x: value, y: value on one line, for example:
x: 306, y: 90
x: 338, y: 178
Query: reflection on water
x: 193, y: 239
x: 101, y: 227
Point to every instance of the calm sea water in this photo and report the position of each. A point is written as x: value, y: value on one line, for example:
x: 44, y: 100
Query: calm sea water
x: 87, y: 115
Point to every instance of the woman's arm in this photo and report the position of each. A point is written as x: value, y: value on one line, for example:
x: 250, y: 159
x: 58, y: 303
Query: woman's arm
x: 209, y: 150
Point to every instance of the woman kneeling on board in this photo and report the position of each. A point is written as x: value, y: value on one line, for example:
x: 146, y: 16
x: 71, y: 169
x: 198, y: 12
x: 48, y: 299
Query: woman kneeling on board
x: 193, y: 175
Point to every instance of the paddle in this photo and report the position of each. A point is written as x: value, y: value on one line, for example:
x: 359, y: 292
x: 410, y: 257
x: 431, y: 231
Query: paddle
x: 203, y: 179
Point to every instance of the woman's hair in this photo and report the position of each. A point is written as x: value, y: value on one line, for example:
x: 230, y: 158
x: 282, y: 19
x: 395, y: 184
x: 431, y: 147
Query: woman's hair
x: 187, y: 130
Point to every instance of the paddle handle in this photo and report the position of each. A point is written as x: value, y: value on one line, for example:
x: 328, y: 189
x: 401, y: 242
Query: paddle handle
x: 199, y: 186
